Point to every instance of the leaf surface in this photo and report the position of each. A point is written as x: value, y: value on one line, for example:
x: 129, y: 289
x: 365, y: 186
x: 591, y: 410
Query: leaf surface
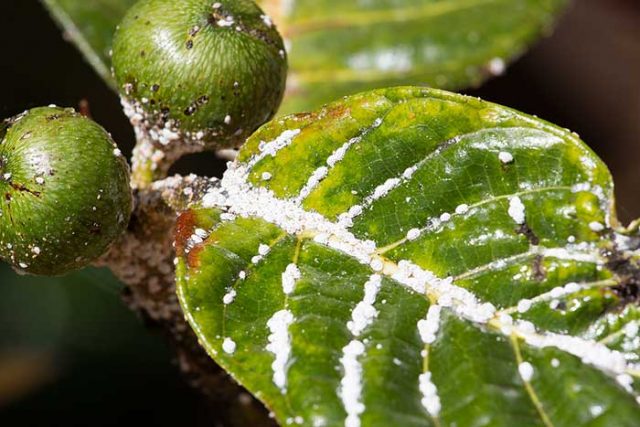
x: 339, y: 47
x: 413, y: 257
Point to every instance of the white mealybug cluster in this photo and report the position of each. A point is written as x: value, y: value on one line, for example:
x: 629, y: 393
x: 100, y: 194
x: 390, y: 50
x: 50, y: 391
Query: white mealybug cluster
x: 228, y: 345
x: 289, y: 278
x: 505, y: 157
x: 428, y: 327
x: 526, y: 371
x: 430, y: 399
x: 516, y: 210
x: 280, y: 345
x: 351, y: 383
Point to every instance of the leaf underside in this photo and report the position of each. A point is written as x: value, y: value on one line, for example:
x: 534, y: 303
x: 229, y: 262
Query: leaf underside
x: 339, y: 47
x: 410, y: 257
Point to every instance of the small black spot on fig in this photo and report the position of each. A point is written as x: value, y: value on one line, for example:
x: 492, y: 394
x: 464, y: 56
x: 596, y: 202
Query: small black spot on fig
x: 155, y: 88
x: 189, y: 44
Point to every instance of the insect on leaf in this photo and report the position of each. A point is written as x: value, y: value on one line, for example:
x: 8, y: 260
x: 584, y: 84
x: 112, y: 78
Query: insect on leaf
x: 412, y: 257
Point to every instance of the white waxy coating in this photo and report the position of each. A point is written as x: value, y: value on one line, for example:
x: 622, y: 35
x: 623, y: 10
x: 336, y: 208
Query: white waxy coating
x: 364, y: 312
x: 524, y: 305
x: 596, y: 226
x: 526, y: 371
x: 289, y: 278
x: 462, y: 209
x: 229, y: 297
x: 413, y: 234
x: 516, y: 210
x: 505, y: 157
x: 229, y: 346
x: 430, y: 399
x: 428, y: 328
x: 238, y: 197
x: 351, y: 384
x: 280, y: 345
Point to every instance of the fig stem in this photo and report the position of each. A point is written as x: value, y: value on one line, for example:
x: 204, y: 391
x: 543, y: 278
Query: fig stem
x: 142, y: 259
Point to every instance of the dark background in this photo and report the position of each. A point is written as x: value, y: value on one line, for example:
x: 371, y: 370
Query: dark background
x: 72, y: 354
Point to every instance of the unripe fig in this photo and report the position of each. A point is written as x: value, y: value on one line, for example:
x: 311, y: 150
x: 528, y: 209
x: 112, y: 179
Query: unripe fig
x: 201, y: 70
x: 64, y: 191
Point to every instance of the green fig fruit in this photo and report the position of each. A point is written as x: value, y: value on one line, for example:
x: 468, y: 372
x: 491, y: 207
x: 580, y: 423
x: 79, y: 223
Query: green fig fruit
x: 198, y: 70
x: 64, y: 191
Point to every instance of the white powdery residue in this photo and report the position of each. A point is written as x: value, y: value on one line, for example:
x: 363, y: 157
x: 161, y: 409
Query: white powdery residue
x: 339, y: 153
x: 280, y: 346
x: 271, y: 148
x: 382, y: 190
x: 526, y: 371
x: 408, y: 173
x: 346, y: 219
x: 590, y: 352
x: 229, y: 346
x: 236, y: 196
x: 226, y: 22
x: 524, y: 305
x: 413, y: 234
x: 462, y: 209
x: 552, y: 295
x: 460, y: 300
x: 505, y: 157
x: 430, y: 399
x: 229, y: 297
x: 376, y: 264
x: 266, y: 176
x: 428, y: 328
x: 555, y: 362
x: 596, y: 226
x: 631, y: 329
x: 596, y: 410
x: 289, y: 278
x: 351, y: 384
x: 446, y: 216
x: 516, y: 210
x: 582, y: 186
x: 364, y: 312
x: 314, y: 180
x: 569, y: 254
x: 263, y: 249
x: 626, y: 381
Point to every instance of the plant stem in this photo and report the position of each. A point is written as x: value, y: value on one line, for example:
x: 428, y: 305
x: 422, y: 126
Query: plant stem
x: 143, y: 259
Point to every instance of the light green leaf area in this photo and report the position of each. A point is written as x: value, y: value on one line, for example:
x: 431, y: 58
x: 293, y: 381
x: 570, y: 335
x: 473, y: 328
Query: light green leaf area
x: 411, y: 257
x: 90, y: 25
x: 339, y: 47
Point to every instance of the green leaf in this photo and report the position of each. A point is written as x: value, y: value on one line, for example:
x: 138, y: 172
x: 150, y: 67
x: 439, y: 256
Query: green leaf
x: 89, y: 25
x: 339, y: 47
x: 412, y: 257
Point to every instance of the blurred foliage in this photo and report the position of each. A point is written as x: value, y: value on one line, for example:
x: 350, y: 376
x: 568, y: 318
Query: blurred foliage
x: 72, y: 353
